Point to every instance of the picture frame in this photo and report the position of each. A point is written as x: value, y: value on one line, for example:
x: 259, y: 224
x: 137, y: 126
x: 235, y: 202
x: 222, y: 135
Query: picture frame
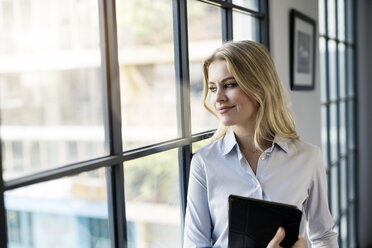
x: 302, y: 51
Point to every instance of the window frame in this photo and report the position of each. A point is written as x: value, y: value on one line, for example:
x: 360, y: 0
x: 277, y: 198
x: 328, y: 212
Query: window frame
x: 350, y: 153
x: 114, y: 162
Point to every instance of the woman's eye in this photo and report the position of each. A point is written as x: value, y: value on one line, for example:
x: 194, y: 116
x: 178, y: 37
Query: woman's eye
x: 230, y: 85
x: 212, y: 89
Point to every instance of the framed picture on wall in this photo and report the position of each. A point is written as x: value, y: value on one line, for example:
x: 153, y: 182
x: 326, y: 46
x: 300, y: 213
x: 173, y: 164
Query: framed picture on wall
x: 302, y: 51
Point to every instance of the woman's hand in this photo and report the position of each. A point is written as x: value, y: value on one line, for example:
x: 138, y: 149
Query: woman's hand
x: 279, y: 236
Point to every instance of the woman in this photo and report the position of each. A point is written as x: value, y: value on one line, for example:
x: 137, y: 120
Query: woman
x: 255, y: 153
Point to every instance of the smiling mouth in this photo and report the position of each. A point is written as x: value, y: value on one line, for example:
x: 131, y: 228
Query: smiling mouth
x: 224, y: 110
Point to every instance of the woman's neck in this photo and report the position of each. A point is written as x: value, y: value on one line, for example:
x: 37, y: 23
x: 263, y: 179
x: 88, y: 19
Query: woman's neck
x: 245, y: 139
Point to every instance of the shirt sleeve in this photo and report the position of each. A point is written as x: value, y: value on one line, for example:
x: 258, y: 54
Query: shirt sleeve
x: 197, y: 230
x: 319, y: 219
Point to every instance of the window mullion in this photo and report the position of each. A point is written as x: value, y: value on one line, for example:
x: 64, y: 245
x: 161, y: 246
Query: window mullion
x: 264, y: 23
x: 227, y: 23
x: 112, y: 117
x: 3, y: 220
x: 181, y: 61
x: 355, y: 131
x: 338, y: 112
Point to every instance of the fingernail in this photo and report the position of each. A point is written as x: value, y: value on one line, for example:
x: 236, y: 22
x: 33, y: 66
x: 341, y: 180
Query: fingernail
x: 280, y: 231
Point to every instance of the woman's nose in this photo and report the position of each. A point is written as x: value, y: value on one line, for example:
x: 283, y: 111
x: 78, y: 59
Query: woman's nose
x: 220, y: 95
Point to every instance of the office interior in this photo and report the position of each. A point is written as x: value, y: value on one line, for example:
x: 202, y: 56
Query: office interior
x: 101, y: 110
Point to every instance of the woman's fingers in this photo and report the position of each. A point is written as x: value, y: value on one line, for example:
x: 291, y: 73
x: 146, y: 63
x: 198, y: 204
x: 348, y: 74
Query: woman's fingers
x: 300, y: 243
x: 278, y: 238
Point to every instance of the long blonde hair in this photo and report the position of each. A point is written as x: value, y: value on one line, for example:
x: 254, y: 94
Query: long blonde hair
x: 254, y: 71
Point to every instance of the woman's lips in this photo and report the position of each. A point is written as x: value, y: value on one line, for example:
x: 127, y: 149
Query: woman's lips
x: 224, y: 109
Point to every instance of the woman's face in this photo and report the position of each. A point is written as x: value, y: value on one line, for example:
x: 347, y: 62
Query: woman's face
x: 232, y: 105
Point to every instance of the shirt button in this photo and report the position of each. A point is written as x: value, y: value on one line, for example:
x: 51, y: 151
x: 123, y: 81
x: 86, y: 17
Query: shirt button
x: 263, y: 157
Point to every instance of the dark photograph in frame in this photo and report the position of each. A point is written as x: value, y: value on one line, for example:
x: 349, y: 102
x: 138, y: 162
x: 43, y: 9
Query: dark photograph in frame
x: 302, y: 51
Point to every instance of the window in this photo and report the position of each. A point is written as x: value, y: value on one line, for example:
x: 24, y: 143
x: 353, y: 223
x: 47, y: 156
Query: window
x: 93, y: 232
x: 337, y: 49
x: 14, y: 227
x: 152, y: 199
x: 50, y: 85
x: 101, y: 109
x: 147, y: 72
x: 205, y: 35
x: 65, y: 212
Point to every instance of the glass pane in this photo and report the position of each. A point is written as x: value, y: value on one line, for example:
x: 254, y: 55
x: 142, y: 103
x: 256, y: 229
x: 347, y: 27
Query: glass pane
x: 331, y: 18
x: 50, y: 85
x: 350, y: 20
x: 343, y: 232
x: 245, y: 27
x: 343, y: 184
x: 323, y: 69
x: 343, y: 129
x: 350, y: 71
x: 333, y: 132
x: 341, y: 19
x: 342, y: 70
x: 68, y: 212
x: 321, y: 4
x: 250, y: 4
x: 332, y: 70
x: 351, y: 126
x: 334, y: 192
x: 324, y: 135
x: 351, y: 175
x: 147, y: 72
x: 152, y: 201
x: 205, y: 35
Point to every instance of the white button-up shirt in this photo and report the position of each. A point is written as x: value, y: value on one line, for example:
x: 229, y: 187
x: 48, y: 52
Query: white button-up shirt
x: 290, y: 171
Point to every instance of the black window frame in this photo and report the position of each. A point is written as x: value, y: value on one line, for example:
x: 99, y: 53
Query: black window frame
x: 350, y: 157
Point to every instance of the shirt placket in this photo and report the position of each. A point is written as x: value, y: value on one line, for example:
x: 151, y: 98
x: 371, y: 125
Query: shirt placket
x: 261, y: 166
x: 253, y: 179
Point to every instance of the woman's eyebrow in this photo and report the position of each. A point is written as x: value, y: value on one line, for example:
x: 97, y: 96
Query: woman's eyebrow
x: 226, y: 79
x: 223, y: 80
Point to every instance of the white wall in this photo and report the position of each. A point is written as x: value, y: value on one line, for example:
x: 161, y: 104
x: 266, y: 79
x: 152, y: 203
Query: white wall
x: 305, y: 105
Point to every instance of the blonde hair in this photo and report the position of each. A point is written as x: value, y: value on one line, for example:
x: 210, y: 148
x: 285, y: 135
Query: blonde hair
x: 254, y: 71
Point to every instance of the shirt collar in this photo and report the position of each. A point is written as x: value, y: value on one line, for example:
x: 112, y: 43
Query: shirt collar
x: 281, y: 142
x: 230, y: 142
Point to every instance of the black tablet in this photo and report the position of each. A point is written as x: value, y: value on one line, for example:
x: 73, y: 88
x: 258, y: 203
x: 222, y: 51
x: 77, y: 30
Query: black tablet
x: 254, y: 223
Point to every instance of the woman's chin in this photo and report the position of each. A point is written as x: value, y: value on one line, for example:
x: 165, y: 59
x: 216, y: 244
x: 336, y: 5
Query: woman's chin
x: 227, y: 123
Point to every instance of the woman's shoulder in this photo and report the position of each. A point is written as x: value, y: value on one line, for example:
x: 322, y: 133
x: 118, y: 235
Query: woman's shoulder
x: 301, y: 144
x: 301, y: 147
x: 204, y: 154
x: 213, y: 147
x: 295, y: 145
